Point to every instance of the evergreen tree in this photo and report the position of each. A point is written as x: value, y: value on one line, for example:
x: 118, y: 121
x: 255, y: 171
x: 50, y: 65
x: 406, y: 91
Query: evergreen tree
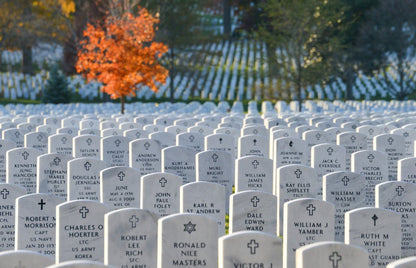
x: 56, y: 89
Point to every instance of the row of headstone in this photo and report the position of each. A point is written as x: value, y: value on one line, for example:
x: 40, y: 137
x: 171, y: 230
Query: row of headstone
x: 87, y: 230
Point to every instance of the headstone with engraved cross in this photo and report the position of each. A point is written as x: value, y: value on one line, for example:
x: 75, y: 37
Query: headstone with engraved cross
x: 86, y: 146
x: 80, y: 231
x: 253, y: 145
x: 314, y: 137
x: 327, y: 158
x: 145, y: 155
x: 130, y: 238
x: 166, y: 139
x: 37, y: 140
x: 35, y: 223
x: 21, y: 167
x: 406, y: 169
x: 370, y: 131
x: 5, y: 145
x: 346, y: 191
x: 204, y: 198
x: 115, y: 151
x: 24, y: 259
x: 373, y: 166
x: 394, y: 147
x: 60, y: 143
x: 221, y: 142
x: 249, y: 249
x: 187, y: 240
x: 293, y: 182
x: 194, y: 140
x: 15, y: 135
x: 305, y: 221
x: 160, y: 193
x: 377, y: 230
x: 216, y: 167
x: 253, y: 211
x: 8, y: 195
x: 52, y: 174
x: 135, y: 133
x: 400, y: 197
x: 179, y: 160
x: 84, y: 178
x: 331, y: 255
x: 352, y: 142
x: 120, y: 187
x: 254, y: 173
x: 289, y: 151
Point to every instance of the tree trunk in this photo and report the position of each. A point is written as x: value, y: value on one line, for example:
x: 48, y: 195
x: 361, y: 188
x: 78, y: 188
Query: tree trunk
x: 172, y: 74
x: 273, y: 70
x: 27, y: 65
x: 227, y: 18
x: 349, y: 83
x: 299, y: 83
x: 122, y: 100
x: 69, y: 57
x: 402, y: 94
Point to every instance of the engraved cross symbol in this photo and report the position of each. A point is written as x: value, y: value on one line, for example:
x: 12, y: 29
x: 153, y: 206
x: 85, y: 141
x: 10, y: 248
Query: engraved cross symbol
x: 353, y: 139
x: 406, y: 134
x: 117, y: 142
x: 146, y: 145
x: 390, y: 140
x: 163, y: 182
x: 89, y: 141
x: 255, y: 200
x: 189, y: 227
x: 25, y: 155
x: 310, y: 208
x: 41, y: 204
x: 290, y: 143
x: 133, y: 220
x: 191, y: 138
x: 4, y: 193
x: 254, y: 142
x: 286, y: 135
x: 40, y: 138
x: 255, y: 131
x: 220, y: 140
x: 374, y: 218
x: 252, y: 245
x: 87, y: 166
x: 298, y: 172
x: 64, y: 139
x: 330, y: 150
x: 255, y: 163
x: 335, y: 258
x: 57, y: 161
x: 345, y: 180
x: 84, y: 211
x: 318, y: 136
x: 399, y: 190
x: 371, y: 131
x: 121, y: 175
x: 17, y: 134
x: 138, y: 134
x: 214, y: 157
x: 371, y: 158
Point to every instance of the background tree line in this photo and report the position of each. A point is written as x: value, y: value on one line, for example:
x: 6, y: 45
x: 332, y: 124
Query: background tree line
x: 324, y: 38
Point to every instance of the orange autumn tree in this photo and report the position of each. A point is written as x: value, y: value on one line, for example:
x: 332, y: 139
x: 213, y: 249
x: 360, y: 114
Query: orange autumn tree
x: 120, y: 53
